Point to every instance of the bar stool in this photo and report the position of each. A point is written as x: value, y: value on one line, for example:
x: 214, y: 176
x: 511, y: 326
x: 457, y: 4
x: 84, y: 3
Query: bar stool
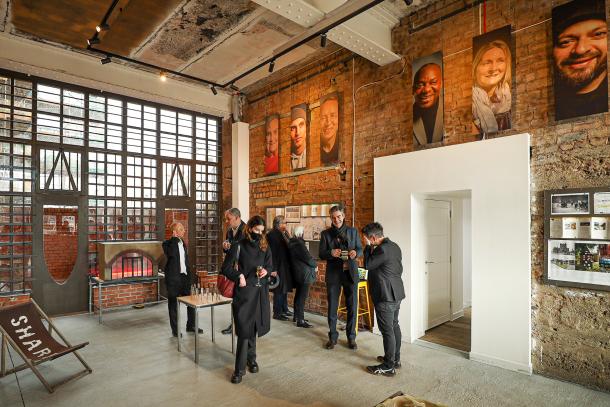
x: 364, y: 286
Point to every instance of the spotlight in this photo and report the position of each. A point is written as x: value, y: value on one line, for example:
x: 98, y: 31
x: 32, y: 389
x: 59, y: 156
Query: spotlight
x: 233, y: 87
x: 214, y: 91
x: 163, y: 76
x: 323, y: 40
x: 102, y: 27
x: 271, y: 65
x: 93, y: 40
x: 106, y: 60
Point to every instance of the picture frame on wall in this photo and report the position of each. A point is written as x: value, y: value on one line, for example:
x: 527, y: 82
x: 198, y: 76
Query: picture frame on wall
x: 330, y: 129
x: 428, y: 104
x: 579, y: 261
x: 293, y: 214
x: 570, y: 204
x: 271, y: 160
x: 299, y: 136
x: 601, y: 203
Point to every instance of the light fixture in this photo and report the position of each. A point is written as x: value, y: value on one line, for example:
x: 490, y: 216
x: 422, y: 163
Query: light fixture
x: 163, y: 76
x: 233, y: 87
x: 106, y: 60
x: 323, y: 40
x: 102, y: 27
x: 214, y: 91
x: 93, y: 40
x: 271, y: 65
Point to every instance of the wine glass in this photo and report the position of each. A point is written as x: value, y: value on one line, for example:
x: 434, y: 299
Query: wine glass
x: 258, y: 275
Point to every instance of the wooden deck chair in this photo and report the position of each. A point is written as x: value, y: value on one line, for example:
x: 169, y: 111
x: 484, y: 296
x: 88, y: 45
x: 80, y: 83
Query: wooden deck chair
x: 22, y: 327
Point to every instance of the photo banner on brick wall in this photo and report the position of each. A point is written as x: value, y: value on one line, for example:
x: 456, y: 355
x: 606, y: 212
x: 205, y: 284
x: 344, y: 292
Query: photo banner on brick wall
x: 579, y: 59
x: 492, y: 73
x: 299, y: 132
x: 428, y: 110
x: 271, y: 161
x: 330, y: 136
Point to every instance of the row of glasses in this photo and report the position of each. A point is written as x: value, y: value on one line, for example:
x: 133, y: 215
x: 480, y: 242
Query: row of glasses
x: 209, y: 293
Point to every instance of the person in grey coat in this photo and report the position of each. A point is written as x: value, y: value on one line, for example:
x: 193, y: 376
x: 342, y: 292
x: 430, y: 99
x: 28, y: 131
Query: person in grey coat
x: 305, y: 269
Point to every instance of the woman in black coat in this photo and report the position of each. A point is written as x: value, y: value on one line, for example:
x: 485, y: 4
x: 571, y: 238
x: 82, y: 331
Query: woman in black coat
x: 250, y: 308
x: 305, y: 271
x: 278, y: 242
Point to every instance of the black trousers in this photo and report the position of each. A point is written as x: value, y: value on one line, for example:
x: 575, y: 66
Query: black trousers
x: 280, y: 303
x: 173, y: 292
x: 246, y: 351
x: 350, y: 291
x: 387, y: 321
x: 300, y: 296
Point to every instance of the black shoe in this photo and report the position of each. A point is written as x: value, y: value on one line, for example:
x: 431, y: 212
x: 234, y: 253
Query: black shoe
x: 175, y: 334
x: 280, y: 317
x: 228, y: 330
x: 252, y: 366
x: 381, y: 369
x: 352, y: 344
x: 304, y: 324
x: 287, y: 313
x: 193, y: 330
x: 236, y: 377
x: 330, y: 344
x: 397, y: 364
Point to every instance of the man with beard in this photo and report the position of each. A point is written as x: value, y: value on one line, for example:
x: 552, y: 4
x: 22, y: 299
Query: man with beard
x: 580, y: 50
x: 329, y: 125
x: 427, y: 117
x: 339, y: 246
x: 298, y: 135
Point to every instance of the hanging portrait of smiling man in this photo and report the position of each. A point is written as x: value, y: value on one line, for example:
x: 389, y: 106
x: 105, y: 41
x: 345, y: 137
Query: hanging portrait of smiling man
x: 492, y: 70
x: 580, y: 53
x: 299, y: 121
x: 428, y: 126
x: 329, y: 129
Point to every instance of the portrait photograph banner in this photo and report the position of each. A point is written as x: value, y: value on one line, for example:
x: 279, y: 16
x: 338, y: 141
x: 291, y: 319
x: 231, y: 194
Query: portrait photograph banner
x: 330, y: 128
x: 299, y: 135
x: 428, y: 107
x: 493, y: 64
x: 271, y: 162
x: 580, y: 68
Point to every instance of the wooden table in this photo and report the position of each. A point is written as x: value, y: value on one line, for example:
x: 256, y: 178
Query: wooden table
x: 203, y: 301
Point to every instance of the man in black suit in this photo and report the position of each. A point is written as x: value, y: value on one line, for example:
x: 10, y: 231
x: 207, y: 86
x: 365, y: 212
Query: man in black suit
x: 383, y: 259
x: 339, y: 246
x: 178, y: 278
x: 235, y: 232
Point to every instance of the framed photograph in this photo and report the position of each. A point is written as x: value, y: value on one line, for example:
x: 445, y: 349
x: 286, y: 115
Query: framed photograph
x: 599, y: 228
x: 330, y: 129
x: 271, y: 161
x: 293, y: 214
x: 570, y: 204
x: 579, y: 261
x: 299, y: 135
x: 601, y: 203
x: 428, y: 119
x: 305, y: 210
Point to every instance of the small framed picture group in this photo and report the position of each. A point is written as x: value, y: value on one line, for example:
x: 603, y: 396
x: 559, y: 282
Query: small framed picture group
x: 577, y: 238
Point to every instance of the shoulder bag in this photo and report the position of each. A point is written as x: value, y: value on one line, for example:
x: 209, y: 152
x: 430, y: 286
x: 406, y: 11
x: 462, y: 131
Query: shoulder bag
x: 226, y: 287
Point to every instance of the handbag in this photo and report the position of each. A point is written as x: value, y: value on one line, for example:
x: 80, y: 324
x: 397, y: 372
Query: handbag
x: 226, y: 287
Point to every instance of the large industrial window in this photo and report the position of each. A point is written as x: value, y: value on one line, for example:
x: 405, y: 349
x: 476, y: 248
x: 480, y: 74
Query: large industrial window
x: 124, y: 154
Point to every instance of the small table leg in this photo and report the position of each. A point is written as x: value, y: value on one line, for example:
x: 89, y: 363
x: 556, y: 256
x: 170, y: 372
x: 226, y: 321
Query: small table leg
x: 178, y: 324
x: 212, y: 317
x: 196, y: 334
x: 99, y: 301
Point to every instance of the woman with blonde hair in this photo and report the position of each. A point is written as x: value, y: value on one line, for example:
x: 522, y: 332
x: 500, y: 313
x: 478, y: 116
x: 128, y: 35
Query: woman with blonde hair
x: 491, y: 91
x: 248, y: 264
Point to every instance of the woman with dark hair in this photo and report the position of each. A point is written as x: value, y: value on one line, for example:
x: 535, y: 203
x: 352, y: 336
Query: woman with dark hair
x: 305, y: 270
x: 247, y: 264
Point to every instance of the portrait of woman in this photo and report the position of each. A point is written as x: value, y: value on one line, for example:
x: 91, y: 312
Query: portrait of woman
x: 492, y: 68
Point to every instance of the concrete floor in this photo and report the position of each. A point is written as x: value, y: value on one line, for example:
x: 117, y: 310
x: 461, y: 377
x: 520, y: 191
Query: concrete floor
x: 136, y: 363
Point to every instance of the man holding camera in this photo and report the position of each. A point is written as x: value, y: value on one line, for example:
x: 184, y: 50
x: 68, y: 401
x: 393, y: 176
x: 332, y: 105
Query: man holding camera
x: 340, y: 246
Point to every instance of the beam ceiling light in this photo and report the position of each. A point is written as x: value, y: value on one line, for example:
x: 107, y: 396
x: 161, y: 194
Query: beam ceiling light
x: 214, y: 91
x: 102, y: 27
x: 93, y: 40
x: 271, y: 65
x: 323, y: 38
x: 106, y: 60
x: 163, y: 76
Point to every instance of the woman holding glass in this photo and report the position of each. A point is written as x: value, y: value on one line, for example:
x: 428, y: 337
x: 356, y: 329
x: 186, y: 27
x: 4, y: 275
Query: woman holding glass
x: 247, y: 264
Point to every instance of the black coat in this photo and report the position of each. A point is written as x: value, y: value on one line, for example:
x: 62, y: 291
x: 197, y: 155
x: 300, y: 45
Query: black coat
x: 251, y: 311
x: 173, y: 281
x: 232, y: 238
x: 384, y: 264
x: 331, y: 239
x: 303, y: 263
x: 281, y: 261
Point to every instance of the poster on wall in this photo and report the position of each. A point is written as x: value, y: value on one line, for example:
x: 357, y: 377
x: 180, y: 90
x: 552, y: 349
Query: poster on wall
x: 579, y: 261
x: 293, y: 213
x: 570, y: 204
x: 428, y: 126
x: 579, y: 58
x: 492, y: 68
x: 601, y: 203
x: 272, y: 146
x: 299, y: 127
x: 330, y: 138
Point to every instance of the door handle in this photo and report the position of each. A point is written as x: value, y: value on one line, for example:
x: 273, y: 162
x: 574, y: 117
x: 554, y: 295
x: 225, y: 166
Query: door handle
x: 429, y: 262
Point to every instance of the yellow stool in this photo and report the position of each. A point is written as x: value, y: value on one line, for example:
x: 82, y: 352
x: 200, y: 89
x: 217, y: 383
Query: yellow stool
x: 362, y: 285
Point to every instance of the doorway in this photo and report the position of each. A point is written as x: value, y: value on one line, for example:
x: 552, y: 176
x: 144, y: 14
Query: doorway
x: 446, y: 253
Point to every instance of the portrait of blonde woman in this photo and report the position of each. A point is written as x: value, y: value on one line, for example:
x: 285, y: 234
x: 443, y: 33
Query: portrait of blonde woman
x: 492, y: 79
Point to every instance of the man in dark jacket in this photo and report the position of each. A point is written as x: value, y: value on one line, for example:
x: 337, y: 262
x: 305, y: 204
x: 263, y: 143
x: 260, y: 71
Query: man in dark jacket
x: 235, y: 232
x: 383, y: 259
x: 339, y: 246
x: 278, y: 242
x: 178, y: 278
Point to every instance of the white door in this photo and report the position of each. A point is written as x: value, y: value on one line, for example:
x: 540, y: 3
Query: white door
x: 437, y: 249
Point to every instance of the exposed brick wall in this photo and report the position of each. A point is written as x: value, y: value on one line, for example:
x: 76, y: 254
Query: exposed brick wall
x: 126, y: 294
x: 60, y: 241
x: 570, y: 326
x: 13, y: 299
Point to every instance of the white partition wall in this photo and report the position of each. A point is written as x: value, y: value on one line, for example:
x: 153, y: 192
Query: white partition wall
x: 240, y: 153
x: 496, y: 172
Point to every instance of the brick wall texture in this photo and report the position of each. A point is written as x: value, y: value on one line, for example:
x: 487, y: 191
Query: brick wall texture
x: 60, y: 242
x: 126, y: 294
x: 570, y: 326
